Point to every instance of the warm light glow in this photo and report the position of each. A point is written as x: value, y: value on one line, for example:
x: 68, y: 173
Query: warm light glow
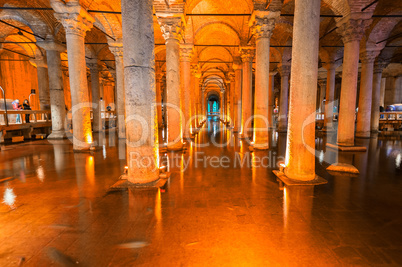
x: 40, y: 173
x: 88, y: 138
x: 90, y: 169
x: 9, y: 197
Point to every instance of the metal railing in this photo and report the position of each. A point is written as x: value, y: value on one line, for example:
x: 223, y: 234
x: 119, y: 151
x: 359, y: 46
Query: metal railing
x: 12, y: 117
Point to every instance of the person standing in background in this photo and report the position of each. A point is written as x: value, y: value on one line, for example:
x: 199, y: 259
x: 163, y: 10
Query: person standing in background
x: 26, y: 107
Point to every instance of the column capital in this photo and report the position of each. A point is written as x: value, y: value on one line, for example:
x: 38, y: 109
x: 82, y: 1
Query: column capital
x: 369, y: 56
x: 39, y: 62
x: 172, y: 26
x: 332, y: 65
x: 352, y: 27
x: 51, y: 45
x: 75, y: 19
x: 262, y: 23
x: 247, y: 53
x: 116, y: 48
x: 186, y: 52
x: 322, y: 82
x: 159, y: 76
x: 272, y: 73
x: 195, y: 70
x: 379, y: 67
x: 284, y: 69
x: 92, y: 64
x: 232, y: 77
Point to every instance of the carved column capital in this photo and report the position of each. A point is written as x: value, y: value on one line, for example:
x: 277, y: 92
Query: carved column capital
x: 369, y: 56
x: 186, y: 52
x: 379, y: 67
x: 284, y: 70
x: 322, y: 83
x: 172, y: 27
x: 195, y: 70
x: 247, y: 53
x: 353, y: 28
x: 117, y: 52
x: 262, y: 23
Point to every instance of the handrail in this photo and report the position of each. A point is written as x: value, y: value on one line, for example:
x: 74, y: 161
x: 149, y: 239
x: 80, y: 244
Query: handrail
x: 391, y: 116
x: 43, y: 115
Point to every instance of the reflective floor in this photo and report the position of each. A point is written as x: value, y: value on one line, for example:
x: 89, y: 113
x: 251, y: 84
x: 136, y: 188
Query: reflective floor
x: 221, y: 207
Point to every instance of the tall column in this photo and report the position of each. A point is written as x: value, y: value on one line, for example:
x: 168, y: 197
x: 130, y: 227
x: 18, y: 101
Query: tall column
x: 376, y: 97
x: 43, y: 83
x: 263, y: 23
x: 382, y: 91
x: 139, y: 82
x: 330, y: 97
x: 397, y: 90
x: 231, y: 109
x: 95, y: 89
x: 77, y: 22
x: 366, y: 93
x: 247, y: 55
x: 284, y: 71
x: 222, y: 104
x: 203, y: 101
x: 56, y: 91
x: 117, y: 50
x: 159, y: 81
x: 172, y: 32
x: 323, y: 86
x: 352, y: 31
x: 300, y: 149
x: 271, y: 100
x: 185, y: 75
x: 195, y: 75
x: 237, y: 97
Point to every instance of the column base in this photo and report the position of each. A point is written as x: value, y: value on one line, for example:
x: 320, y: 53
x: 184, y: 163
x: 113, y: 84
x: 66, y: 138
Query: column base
x: 342, y: 168
x: 258, y: 147
x: 57, y: 135
x: 347, y: 148
x: 362, y: 135
x: 176, y: 147
x: 326, y: 129
x: 291, y: 182
x: 123, y: 183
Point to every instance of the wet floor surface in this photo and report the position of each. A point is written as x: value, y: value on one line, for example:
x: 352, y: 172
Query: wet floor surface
x: 221, y: 207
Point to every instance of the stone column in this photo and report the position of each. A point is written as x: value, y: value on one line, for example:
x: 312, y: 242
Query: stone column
x: 397, y: 90
x: 330, y: 97
x: 263, y: 23
x: 203, y: 102
x: 300, y: 149
x: 185, y: 75
x: 247, y: 55
x: 284, y: 71
x: 376, y: 97
x: 172, y: 32
x: 382, y: 91
x: 365, y: 95
x: 57, y: 102
x: 195, y: 75
x: 43, y: 83
x: 231, y: 111
x: 139, y: 82
x: 237, y: 98
x: 77, y: 22
x: 351, y: 30
x: 95, y: 89
x: 323, y: 86
x: 271, y: 100
x: 117, y: 50
x: 159, y: 81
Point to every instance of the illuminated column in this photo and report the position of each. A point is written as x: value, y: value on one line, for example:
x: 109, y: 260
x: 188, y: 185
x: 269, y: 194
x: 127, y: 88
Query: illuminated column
x: 284, y: 71
x: 382, y: 91
x: 159, y: 81
x: 195, y: 75
x: 365, y: 94
x: 57, y: 102
x: 117, y: 50
x: 43, y: 83
x: 95, y: 86
x: 172, y: 31
x: 222, y: 107
x: 271, y: 100
x: 139, y: 82
x: 396, y: 95
x: 263, y: 23
x: 185, y: 75
x: 376, y: 96
x: 232, y: 98
x: 300, y: 149
x: 247, y: 55
x: 330, y: 97
x: 323, y: 86
x: 203, y: 102
x: 352, y: 31
x: 77, y: 22
x: 237, y: 110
